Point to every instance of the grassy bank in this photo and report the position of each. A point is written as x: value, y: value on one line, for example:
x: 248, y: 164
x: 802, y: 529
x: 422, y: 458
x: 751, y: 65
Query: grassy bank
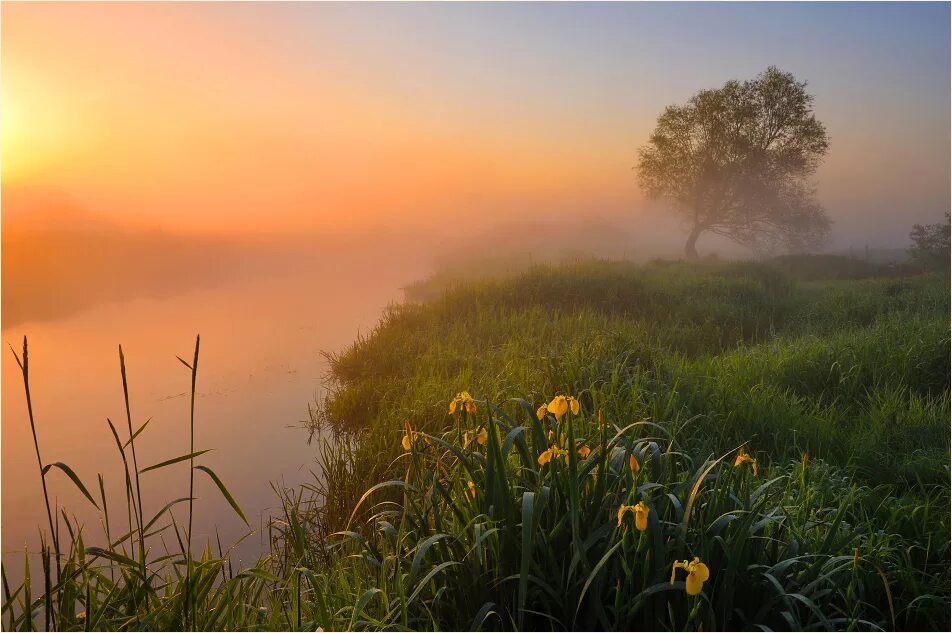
x: 853, y: 373
x: 848, y: 370
x: 743, y: 447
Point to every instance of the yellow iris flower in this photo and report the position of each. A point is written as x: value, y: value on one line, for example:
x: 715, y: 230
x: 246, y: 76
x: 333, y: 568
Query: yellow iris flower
x: 410, y: 436
x: 551, y: 453
x: 560, y: 405
x: 464, y: 402
x: 622, y: 509
x: 640, y: 510
x: 584, y: 451
x: 641, y: 516
x: 743, y: 458
x: 472, y: 489
x: 540, y: 412
x: 633, y: 465
x: 481, y: 436
x: 698, y: 573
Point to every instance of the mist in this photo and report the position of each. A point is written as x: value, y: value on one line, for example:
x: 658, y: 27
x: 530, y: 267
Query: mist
x: 65, y: 259
x: 669, y: 232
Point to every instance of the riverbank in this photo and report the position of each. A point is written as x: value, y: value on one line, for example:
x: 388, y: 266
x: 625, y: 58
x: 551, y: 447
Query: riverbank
x: 789, y: 434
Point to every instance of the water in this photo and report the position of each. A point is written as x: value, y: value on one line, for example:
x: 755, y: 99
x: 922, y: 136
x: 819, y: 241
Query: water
x: 260, y: 367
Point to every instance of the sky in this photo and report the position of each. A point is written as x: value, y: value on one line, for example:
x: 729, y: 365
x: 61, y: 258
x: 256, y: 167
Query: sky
x: 293, y: 118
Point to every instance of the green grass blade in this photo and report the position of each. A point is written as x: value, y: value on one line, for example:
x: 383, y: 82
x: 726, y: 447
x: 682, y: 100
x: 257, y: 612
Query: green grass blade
x: 175, y: 460
x: 224, y: 491
x: 74, y: 477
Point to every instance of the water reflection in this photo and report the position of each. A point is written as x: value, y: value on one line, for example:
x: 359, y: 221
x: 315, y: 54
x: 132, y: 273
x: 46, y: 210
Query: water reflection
x: 262, y: 335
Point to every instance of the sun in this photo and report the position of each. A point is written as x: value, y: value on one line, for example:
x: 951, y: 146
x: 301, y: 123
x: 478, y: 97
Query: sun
x: 35, y: 131
x: 14, y: 155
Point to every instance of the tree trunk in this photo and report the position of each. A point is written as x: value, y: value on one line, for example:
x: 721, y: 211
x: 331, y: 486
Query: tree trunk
x: 689, y: 249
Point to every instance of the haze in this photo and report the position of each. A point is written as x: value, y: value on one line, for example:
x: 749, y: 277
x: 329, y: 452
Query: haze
x: 270, y: 118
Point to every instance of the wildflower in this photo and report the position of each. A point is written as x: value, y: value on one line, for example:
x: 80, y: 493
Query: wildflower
x: 633, y: 465
x: 562, y: 404
x: 464, y: 401
x: 472, y: 489
x: 698, y: 574
x: 584, y: 451
x: 545, y: 457
x: 540, y: 412
x: 641, y: 516
x: 551, y: 453
x: 410, y: 436
x: 481, y: 436
x: 622, y: 509
x: 743, y: 457
x: 640, y: 510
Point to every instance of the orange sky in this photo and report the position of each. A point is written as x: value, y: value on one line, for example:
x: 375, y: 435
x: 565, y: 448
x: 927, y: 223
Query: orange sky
x: 303, y: 117
x: 148, y: 114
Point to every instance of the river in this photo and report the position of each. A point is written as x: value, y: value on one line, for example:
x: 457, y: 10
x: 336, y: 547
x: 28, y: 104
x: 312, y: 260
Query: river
x: 260, y: 367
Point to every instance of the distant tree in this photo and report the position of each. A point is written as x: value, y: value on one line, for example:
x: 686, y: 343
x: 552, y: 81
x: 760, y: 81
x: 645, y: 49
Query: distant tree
x: 735, y: 161
x: 930, y: 245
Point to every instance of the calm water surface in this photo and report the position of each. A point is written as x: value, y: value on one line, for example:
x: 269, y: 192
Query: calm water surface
x: 259, y: 368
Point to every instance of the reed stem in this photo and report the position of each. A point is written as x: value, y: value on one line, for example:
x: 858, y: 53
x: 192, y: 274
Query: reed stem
x: 191, y: 491
x: 24, y: 364
x: 135, y: 466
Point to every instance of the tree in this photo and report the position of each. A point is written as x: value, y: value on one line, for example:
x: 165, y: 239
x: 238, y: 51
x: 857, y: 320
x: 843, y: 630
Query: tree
x: 735, y: 161
x: 930, y: 249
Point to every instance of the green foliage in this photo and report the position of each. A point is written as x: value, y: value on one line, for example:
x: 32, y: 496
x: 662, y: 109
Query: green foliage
x: 740, y: 346
x: 930, y: 249
x: 826, y: 267
x: 540, y: 547
x: 855, y: 373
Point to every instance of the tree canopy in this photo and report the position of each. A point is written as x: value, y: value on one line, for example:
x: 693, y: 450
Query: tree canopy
x: 736, y: 160
x: 930, y: 245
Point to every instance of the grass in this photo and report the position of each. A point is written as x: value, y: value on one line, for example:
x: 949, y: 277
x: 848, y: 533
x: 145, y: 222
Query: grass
x: 801, y: 367
x: 837, y: 386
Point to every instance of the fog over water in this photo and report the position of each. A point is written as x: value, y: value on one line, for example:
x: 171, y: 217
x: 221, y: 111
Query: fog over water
x: 78, y: 286
x: 260, y: 366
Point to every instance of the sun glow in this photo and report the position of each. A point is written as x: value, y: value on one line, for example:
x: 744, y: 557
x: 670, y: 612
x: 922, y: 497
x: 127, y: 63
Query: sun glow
x: 14, y: 134
x: 40, y: 130
x: 287, y: 118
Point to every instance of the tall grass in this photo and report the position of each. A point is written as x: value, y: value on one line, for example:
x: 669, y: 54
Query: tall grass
x: 853, y: 373
x: 483, y: 536
x: 117, y: 585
